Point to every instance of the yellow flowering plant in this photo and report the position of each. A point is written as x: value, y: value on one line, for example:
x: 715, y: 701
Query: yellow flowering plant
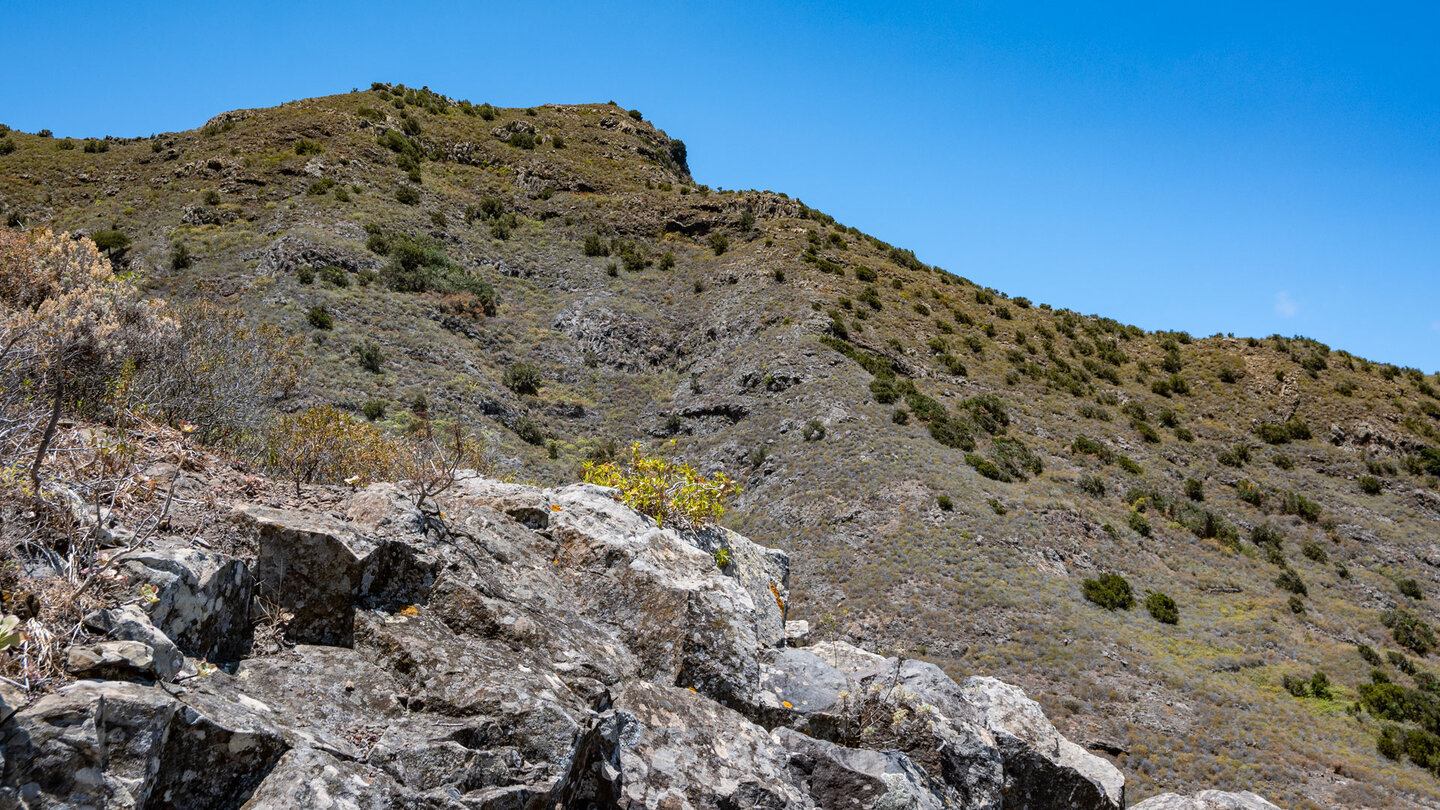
x: 670, y: 491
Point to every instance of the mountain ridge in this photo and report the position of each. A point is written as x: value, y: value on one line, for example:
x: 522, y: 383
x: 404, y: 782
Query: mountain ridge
x: 848, y: 381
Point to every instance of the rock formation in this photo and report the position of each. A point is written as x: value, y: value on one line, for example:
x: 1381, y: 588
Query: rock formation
x: 526, y: 648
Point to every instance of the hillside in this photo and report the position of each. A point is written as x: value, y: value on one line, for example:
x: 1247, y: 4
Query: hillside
x: 945, y: 464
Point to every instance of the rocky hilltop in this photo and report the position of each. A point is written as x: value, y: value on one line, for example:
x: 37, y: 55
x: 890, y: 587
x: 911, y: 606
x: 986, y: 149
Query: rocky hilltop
x: 526, y: 648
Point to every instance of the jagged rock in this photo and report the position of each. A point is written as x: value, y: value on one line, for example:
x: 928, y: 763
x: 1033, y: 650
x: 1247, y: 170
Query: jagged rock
x: 794, y: 684
x: 675, y: 749
x: 1042, y: 769
x: 305, y: 779
x: 129, y: 623
x: 124, y: 745
x: 763, y: 572
x: 310, y: 565
x: 848, y: 658
x: 840, y: 778
x: 1206, y: 800
x: 203, y: 600
x: 797, y: 633
x: 112, y: 660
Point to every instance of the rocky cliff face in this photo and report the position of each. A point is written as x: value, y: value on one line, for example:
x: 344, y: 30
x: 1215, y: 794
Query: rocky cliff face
x: 527, y: 648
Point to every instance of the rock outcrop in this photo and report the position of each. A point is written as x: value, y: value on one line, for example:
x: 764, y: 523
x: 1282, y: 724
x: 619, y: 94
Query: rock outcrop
x: 529, y: 649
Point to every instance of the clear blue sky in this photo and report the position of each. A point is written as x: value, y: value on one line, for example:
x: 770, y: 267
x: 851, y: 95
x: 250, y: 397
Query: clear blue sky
x: 1219, y: 167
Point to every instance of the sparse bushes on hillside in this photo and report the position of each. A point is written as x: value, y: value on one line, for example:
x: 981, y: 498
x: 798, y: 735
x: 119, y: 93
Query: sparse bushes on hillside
x: 1293, y: 429
x: 409, y: 195
x: 719, y: 244
x: 1109, y: 591
x: 1409, y: 630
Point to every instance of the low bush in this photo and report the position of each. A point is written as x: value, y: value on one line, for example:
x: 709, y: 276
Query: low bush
x: 1162, y: 608
x: 1109, y: 591
x: 522, y: 378
x: 320, y: 317
x: 1410, y: 588
x: 1409, y: 630
x: 1290, y: 581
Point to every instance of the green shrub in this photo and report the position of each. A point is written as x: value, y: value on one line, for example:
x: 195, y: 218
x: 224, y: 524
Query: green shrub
x: 1162, y: 608
x: 1109, y: 591
x: 1194, y: 490
x: 521, y: 140
x: 211, y: 197
x: 813, y: 431
x: 320, y: 187
x: 522, y: 378
x: 93, y: 146
x: 635, y: 114
x: 1138, y: 523
x: 408, y: 195
x: 374, y: 409
x: 320, y: 317
x: 983, y: 466
x: 1092, y: 485
x: 1146, y: 431
x: 1236, y: 456
x: 1298, y: 687
x: 334, y: 276
x: 900, y: 416
x: 719, y: 244
x: 945, y: 503
x: 1410, y: 588
x: 1368, y: 653
x: 528, y: 430
x: 1296, y: 605
x: 180, y: 257
x: 305, y: 146
x: 865, y: 274
x: 370, y: 356
x: 1370, y: 485
x: 1409, y: 631
x: 1313, y: 551
x: 112, y: 242
x: 66, y: 144
x: 1290, y: 581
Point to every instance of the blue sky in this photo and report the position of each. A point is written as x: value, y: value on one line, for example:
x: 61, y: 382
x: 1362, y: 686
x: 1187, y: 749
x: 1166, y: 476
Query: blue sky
x: 1220, y: 167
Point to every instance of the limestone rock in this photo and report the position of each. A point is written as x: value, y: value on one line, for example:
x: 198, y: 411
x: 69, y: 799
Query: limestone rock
x: 839, y: 778
x: 1206, y: 800
x: 1042, y: 769
x: 204, y: 600
x: 675, y: 749
x: 310, y: 565
x: 129, y: 623
x: 126, y: 745
x: 112, y: 660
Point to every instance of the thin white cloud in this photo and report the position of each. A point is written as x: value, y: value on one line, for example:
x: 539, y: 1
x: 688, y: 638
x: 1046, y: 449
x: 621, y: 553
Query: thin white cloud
x: 1435, y: 325
x: 1284, y: 307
